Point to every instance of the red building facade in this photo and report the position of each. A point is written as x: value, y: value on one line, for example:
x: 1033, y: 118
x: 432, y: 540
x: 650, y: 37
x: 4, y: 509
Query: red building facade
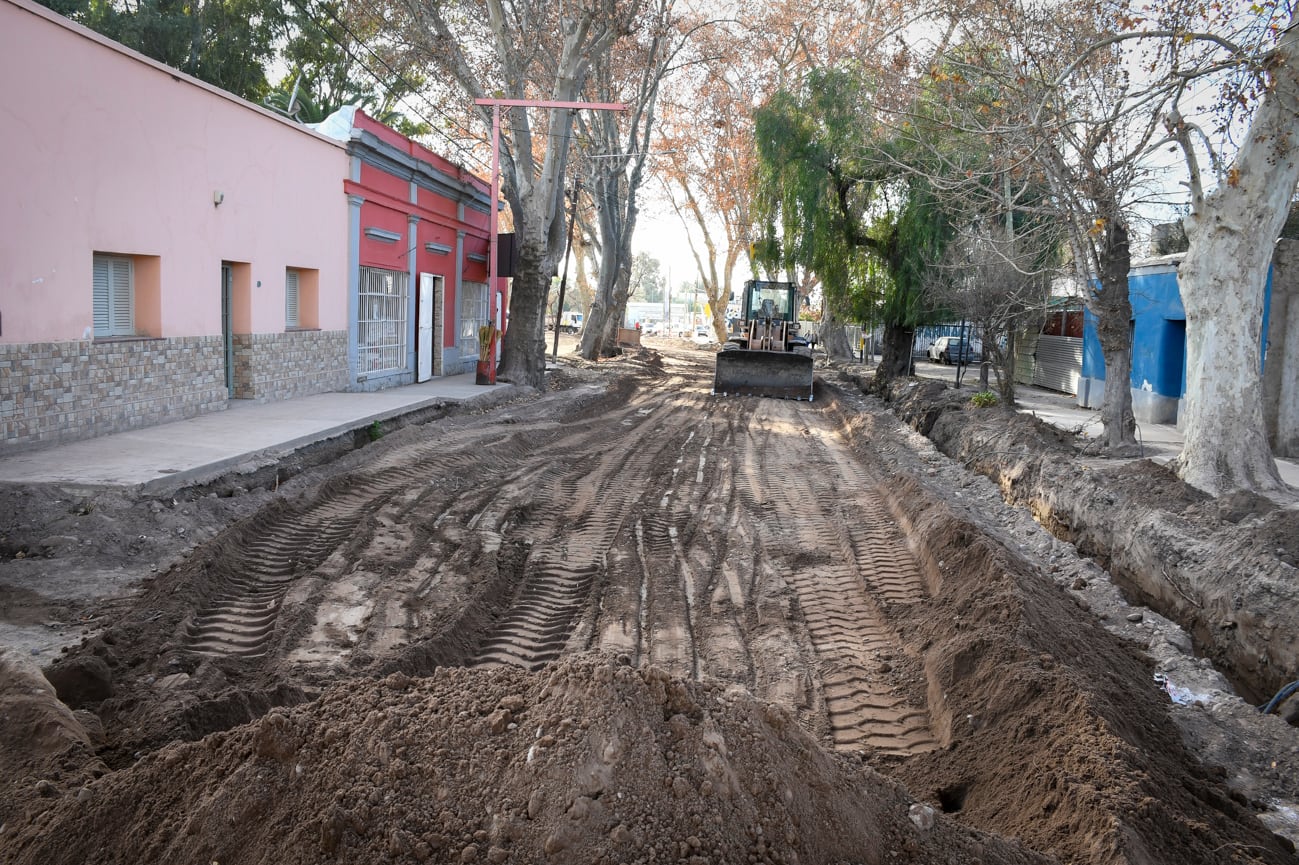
x: 419, y: 238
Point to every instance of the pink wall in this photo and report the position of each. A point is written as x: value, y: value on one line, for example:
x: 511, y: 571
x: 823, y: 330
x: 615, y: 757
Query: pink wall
x: 108, y: 151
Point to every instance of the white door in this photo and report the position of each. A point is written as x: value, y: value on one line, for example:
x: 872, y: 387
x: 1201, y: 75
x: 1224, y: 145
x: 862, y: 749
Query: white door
x: 500, y: 322
x: 427, y: 301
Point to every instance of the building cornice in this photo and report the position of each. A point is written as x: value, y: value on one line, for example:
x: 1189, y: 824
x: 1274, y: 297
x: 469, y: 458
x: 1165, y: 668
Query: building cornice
x: 374, y: 151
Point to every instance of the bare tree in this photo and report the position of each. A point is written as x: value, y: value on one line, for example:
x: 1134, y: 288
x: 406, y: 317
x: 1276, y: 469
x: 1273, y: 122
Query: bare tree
x: 617, y: 168
x: 1026, y: 109
x: 998, y: 284
x: 519, y: 49
x: 707, y: 140
x: 1232, y: 232
x: 1253, y: 60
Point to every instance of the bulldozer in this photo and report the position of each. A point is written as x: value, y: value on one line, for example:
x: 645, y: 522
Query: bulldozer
x: 764, y: 354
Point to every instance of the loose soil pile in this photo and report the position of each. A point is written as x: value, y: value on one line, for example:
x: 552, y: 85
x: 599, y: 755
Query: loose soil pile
x: 591, y: 761
x: 1224, y: 568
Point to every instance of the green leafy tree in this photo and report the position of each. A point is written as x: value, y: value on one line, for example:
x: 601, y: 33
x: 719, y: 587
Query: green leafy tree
x: 227, y: 43
x: 833, y: 201
x: 339, y: 54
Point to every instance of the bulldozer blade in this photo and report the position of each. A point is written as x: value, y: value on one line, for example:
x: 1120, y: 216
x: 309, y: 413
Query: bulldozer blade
x: 784, y: 375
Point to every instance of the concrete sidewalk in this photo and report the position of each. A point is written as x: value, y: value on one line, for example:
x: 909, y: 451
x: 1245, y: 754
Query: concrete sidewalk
x: 1161, y: 442
x: 172, y: 454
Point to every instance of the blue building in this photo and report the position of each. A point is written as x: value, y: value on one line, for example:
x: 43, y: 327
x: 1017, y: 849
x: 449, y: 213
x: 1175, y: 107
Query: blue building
x: 1158, y: 328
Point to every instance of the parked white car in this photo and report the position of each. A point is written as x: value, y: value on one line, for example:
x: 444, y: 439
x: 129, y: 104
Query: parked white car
x: 950, y: 349
x: 703, y: 335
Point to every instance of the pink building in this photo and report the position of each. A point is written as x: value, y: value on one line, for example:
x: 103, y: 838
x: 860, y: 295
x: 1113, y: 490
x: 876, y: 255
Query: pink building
x: 166, y: 247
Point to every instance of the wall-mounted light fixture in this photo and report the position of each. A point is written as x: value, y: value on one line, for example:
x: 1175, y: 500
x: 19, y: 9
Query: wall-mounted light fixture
x: 217, y: 197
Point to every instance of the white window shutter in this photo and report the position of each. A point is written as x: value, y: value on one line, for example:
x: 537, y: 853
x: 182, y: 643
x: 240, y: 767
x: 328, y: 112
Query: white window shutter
x: 291, y: 318
x: 114, y: 295
x: 102, y: 293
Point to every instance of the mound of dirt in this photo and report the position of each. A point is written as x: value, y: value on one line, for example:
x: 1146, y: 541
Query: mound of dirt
x: 45, y: 747
x: 1198, y: 584
x: 1047, y: 740
x: 875, y: 659
x: 590, y: 761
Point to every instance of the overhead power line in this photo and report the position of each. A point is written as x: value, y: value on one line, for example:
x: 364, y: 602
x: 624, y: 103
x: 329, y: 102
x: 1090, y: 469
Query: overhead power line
x: 410, y: 87
x: 383, y: 84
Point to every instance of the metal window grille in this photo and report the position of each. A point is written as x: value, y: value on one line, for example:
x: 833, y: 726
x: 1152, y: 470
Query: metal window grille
x: 114, y: 295
x: 381, y: 339
x: 291, y: 317
x: 473, y: 315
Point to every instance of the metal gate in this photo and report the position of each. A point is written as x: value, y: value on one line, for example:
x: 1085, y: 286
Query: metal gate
x: 1058, y: 363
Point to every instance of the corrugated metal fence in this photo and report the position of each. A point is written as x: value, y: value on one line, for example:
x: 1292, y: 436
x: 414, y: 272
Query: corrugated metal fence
x: 1058, y: 363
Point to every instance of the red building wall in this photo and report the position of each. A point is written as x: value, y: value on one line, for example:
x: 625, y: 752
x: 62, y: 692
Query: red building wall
x: 387, y: 206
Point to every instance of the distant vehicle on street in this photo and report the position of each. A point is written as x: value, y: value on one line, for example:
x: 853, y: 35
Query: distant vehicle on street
x: 703, y: 335
x: 570, y: 322
x: 952, y: 349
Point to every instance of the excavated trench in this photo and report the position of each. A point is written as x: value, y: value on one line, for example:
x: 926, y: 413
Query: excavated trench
x: 797, y: 552
x: 1224, y: 569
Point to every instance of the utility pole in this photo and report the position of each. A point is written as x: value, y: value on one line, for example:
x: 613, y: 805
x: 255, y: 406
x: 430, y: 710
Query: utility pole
x: 671, y: 326
x: 563, y: 280
x: 494, y: 219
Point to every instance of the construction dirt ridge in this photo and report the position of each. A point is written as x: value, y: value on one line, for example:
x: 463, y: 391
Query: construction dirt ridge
x: 627, y: 621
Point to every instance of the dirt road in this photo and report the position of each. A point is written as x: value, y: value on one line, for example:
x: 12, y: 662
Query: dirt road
x: 736, y: 541
x: 802, y: 555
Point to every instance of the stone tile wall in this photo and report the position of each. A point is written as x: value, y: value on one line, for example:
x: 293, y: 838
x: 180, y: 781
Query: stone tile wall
x: 63, y: 391
x: 275, y: 366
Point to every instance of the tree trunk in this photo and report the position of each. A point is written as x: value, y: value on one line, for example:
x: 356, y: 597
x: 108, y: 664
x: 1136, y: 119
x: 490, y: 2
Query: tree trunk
x: 600, y: 333
x: 895, y: 359
x: 833, y: 338
x: 1226, y: 446
x: 1222, y: 280
x: 523, y: 348
x: 1005, y: 371
x: 592, y: 344
x: 1112, y: 306
x: 581, y: 282
x: 721, y: 327
x: 1001, y: 361
x: 600, y: 338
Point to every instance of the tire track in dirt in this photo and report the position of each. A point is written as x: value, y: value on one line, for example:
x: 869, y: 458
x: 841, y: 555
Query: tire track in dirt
x: 594, y: 505
x: 654, y: 606
x: 663, y: 528
x: 823, y: 531
x: 242, y: 619
x: 888, y: 567
x: 711, y: 603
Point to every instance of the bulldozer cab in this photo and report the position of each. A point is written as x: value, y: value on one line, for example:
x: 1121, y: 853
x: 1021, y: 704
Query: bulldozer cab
x: 769, y: 301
